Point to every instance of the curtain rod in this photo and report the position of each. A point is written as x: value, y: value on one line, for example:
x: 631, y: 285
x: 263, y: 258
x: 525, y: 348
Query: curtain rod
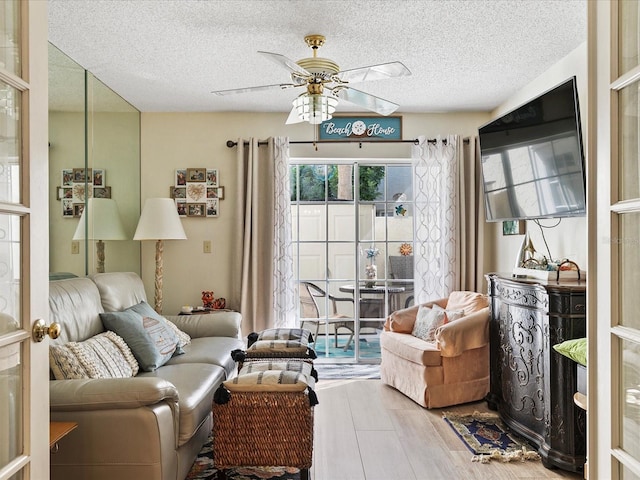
x: 415, y: 141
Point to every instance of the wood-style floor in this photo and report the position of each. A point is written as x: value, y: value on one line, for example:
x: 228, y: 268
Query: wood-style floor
x: 365, y: 430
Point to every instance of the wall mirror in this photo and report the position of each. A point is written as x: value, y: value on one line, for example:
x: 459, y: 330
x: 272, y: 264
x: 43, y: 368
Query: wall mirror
x: 94, y: 158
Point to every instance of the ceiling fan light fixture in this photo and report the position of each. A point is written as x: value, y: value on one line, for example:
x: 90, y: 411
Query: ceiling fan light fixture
x: 315, y: 108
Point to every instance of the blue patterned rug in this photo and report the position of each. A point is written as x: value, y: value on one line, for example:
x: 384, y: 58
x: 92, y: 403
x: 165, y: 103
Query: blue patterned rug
x: 332, y: 371
x: 488, y: 437
x: 203, y: 469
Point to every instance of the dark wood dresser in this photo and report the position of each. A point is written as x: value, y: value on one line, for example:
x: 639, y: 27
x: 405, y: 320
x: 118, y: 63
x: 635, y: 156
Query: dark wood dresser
x: 532, y: 386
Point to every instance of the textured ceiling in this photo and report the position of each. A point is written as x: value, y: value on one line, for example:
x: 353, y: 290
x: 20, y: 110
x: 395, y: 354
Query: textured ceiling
x: 464, y: 55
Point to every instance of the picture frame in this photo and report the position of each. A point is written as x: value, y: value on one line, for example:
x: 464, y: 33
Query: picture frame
x: 67, y: 208
x: 212, y: 207
x: 196, y: 192
x: 178, y: 192
x: 81, y: 175
x: 196, y: 209
x: 66, y: 179
x: 196, y: 174
x: 78, y: 208
x: 181, y: 207
x: 101, y: 192
x: 181, y: 177
x: 513, y: 227
x: 212, y: 177
x: 97, y: 177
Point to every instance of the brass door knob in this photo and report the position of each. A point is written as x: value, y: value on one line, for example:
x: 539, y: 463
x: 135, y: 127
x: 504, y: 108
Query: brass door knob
x: 40, y: 330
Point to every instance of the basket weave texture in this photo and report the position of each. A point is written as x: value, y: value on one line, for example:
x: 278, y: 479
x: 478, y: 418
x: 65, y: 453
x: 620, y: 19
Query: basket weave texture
x: 263, y: 429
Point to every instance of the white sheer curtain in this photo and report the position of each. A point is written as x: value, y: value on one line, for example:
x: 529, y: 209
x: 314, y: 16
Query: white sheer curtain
x: 267, y: 289
x: 437, y: 221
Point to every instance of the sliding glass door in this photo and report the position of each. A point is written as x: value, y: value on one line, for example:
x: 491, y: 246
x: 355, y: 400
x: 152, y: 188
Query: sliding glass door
x: 353, y: 237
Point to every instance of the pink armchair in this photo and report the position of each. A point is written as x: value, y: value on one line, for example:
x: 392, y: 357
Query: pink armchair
x: 451, y: 369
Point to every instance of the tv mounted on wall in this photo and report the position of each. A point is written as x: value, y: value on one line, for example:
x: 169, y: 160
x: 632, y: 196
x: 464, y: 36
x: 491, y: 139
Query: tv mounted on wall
x: 532, y: 159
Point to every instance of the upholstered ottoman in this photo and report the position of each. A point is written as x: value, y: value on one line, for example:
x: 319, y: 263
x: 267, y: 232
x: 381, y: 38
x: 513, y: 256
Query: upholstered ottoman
x: 264, y: 416
x: 276, y: 343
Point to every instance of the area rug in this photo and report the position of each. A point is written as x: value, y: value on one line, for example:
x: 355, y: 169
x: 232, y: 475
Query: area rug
x: 488, y: 438
x: 203, y: 469
x: 333, y: 371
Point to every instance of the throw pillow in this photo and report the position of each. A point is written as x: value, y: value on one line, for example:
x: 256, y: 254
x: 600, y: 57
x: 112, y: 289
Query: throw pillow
x: 152, y: 342
x: 575, y: 349
x: 468, y: 301
x: 105, y: 355
x: 427, y: 322
x: 450, y: 315
x: 146, y: 310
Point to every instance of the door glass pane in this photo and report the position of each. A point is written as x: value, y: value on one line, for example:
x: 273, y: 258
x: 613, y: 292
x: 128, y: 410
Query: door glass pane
x: 399, y: 184
x: 630, y: 398
x: 10, y: 36
x: 628, y: 142
x: 628, y: 42
x: 628, y: 242
x: 342, y: 221
x: 372, y: 182
x: 10, y: 100
x: 340, y: 182
x: 626, y: 474
x: 10, y: 402
x: 312, y: 181
x: 312, y: 222
x: 9, y: 271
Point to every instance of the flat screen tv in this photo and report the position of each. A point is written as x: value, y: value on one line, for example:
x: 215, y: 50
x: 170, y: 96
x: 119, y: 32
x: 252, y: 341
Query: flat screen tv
x: 532, y: 159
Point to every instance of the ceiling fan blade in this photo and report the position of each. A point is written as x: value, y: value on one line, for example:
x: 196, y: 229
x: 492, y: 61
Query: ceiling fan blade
x: 374, y: 72
x: 285, y: 62
x: 366, y: 100
x: 261, y: 88
x: 293, y: 117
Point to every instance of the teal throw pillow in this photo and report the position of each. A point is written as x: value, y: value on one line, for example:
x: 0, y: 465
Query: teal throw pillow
x: 152, y: 342
x: 146, y: 310
x: 575, y: 349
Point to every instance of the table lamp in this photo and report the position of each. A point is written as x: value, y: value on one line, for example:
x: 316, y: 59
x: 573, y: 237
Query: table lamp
x: 159, y: 221
x: 103, y: 224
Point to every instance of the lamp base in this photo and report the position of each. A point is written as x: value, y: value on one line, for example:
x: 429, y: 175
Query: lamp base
x: 158, y: 278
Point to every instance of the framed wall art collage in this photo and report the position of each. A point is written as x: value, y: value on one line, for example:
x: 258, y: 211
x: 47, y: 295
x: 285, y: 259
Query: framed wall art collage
x: 78, y: 185
x: 197, y: 192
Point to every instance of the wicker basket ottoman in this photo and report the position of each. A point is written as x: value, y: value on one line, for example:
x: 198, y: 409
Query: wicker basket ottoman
x: 264, y: 417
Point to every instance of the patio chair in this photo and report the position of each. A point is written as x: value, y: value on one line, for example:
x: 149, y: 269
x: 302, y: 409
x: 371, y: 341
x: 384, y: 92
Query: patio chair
x: 309, y: 311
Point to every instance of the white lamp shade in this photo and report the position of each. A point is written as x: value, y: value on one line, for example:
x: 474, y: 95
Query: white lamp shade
x: 104, y: 221
x: 159, y: 221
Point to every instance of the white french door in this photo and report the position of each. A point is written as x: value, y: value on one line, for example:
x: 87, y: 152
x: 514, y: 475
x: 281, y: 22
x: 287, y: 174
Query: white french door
x: 614, y: 353
x: 24, y: 260
x: 352, y: 225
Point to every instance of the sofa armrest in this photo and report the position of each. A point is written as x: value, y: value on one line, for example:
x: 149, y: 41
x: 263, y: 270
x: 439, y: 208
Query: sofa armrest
x: 111, y: 393
x: 218, y: 324
x: 466, y: 333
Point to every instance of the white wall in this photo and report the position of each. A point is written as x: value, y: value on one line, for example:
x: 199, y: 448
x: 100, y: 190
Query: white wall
x: 569, y: 238
x: 181, y: 140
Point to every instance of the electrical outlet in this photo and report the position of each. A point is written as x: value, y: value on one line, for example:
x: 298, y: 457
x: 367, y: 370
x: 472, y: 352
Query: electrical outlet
x: 206, y: 246
x: 75, y: 247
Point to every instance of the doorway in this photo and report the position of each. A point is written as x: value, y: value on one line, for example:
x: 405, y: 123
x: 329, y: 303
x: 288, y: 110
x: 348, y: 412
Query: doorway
x: 353, y: 245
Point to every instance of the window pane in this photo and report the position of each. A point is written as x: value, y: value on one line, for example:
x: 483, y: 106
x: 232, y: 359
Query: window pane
x: 630, y: 398
x: 628, y: 242
x: 628, y: 41
x: 313, y: 222
x: 10, y: 402
x: 400, y: 224
x: 628, y: 143
x: 399, y: 183
x: 340, y: 182
x: 10, y: 152
x: 372, y: 182
x: 313, y: 261
x: 10, y: 36
x: 342, y: 225
x: 341, y: 261
x: 311, y: 181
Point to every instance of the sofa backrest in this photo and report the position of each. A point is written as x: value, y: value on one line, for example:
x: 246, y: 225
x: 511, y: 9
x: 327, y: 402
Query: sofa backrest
x: 119, y: 290
x: 75, y: 304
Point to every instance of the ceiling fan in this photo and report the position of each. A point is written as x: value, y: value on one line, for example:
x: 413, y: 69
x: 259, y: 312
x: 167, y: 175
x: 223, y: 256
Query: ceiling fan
x: 325, y: 83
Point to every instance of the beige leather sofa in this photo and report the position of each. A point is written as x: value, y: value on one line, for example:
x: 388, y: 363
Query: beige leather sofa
x: 150, y: 426
x: 452, y: 369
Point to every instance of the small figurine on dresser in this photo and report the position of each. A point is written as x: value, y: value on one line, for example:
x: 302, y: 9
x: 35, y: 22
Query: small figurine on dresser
x: 209, y: 301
